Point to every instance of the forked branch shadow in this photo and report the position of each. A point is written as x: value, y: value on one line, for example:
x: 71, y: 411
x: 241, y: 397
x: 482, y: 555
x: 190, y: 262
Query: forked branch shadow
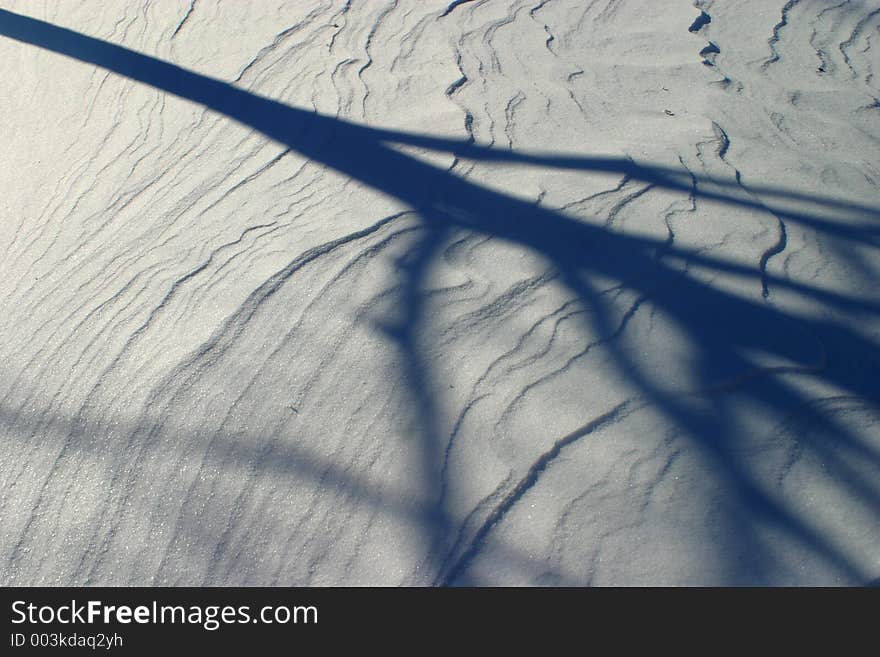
x: 722, y: 328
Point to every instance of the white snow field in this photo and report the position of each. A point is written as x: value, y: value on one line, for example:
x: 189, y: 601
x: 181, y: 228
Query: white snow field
x: 421, y: 292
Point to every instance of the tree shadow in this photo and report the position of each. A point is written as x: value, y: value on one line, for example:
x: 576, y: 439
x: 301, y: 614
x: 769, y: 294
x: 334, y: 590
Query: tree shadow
x: 231, y: 452
x: 724, y: 330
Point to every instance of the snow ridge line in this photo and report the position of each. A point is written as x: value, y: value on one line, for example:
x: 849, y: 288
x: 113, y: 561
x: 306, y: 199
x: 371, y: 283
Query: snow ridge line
x: 619, y: 412
x: 451, y: 91
x: 277, y: 280
x: 279, y: 39
x: 560, y: 315
x: 189, y: 11
x: 826, y: 65
x: 453, y: 6
x: 373, y: 30
x: 774, y: 250
x: 774, y: 39
x: 782, y: 240
x: 856, y: 33
x: 617, y: 332
x: 550, y: 36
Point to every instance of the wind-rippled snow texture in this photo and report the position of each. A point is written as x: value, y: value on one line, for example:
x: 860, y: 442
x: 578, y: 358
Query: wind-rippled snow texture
x: 226, y: 362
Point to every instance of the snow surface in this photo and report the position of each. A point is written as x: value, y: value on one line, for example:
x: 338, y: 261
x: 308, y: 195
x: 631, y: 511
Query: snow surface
x: 554, y: 292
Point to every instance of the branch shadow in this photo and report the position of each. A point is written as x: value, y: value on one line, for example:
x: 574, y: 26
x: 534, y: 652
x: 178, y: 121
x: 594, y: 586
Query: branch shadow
x: 722, y: 328
x: 231, y: 452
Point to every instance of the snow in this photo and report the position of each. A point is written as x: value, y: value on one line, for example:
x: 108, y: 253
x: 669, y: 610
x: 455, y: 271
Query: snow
x: 414, y: 293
